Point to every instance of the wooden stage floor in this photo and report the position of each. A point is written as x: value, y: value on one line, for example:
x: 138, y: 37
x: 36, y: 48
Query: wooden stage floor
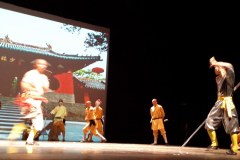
x: 17, y: 150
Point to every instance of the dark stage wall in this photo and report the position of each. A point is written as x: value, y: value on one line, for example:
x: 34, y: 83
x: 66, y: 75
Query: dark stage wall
x: 155, y: 54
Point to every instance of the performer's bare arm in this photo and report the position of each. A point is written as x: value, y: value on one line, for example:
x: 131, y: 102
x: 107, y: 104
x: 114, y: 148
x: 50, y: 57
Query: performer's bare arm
x: 213, y: 62
x: 151, y: 116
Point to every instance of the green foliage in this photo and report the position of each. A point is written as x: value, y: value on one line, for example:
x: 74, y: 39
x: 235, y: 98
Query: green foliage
x: 88, y: 74
x: 72, y: 29
x: 97, y: 40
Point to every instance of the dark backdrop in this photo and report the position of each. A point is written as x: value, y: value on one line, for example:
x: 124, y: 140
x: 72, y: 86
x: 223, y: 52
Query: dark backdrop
x: 160, y: 51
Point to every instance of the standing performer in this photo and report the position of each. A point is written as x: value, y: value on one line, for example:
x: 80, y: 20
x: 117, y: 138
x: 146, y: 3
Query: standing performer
x: 59, y: 112
x: 99, y: 120
x: 34, y: 84
x: 224, y: 110
x: 157, y: 116
x: 91, y: 125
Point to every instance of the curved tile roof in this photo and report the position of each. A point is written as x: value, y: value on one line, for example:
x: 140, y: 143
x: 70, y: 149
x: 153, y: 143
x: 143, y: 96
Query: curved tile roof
x: 7, y: 43
x: 91, y: 83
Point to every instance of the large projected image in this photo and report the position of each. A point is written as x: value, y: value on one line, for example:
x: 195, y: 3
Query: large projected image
x: 77, y: 54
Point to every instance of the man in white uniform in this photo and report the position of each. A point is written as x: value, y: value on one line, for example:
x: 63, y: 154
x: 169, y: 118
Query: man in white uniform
x: 34, y: 84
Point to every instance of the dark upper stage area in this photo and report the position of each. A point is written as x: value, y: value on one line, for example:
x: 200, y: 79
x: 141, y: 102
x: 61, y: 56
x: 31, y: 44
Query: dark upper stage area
x: 161, y: 51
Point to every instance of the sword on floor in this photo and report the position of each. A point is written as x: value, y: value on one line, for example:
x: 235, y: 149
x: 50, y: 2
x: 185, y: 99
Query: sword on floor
x: 184, y: 144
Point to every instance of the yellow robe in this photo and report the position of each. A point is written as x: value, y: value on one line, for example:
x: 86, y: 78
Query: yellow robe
x: 157, y: 116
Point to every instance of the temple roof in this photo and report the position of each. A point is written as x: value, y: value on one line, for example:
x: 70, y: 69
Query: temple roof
x: 60, y: 62
x: 7, y: 43
x: 91, y: 83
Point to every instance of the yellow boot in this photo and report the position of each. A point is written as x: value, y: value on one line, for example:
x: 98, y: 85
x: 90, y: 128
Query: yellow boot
x: 234, y: 146
x: 213, y: 137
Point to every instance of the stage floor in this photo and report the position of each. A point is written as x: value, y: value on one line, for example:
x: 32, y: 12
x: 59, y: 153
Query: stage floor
x: 16, y: 150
